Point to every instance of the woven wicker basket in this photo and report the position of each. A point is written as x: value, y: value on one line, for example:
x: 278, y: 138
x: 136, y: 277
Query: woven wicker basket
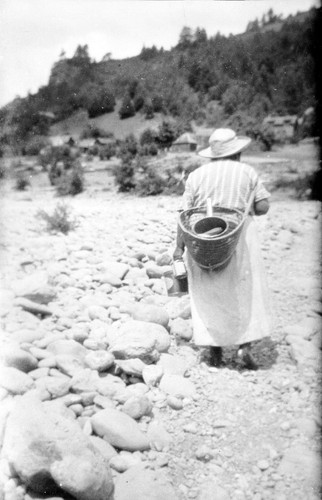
x: 211, y: 253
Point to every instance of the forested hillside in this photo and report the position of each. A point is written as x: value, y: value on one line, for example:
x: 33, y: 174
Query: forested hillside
x: 209, y: 79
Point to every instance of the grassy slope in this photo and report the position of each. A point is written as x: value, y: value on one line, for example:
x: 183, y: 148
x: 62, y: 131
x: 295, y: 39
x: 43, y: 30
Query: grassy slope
x: 157, y: 75
x: 109, y: 122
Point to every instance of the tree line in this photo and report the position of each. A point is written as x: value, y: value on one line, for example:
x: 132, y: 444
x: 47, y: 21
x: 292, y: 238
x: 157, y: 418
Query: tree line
x: 212, y: 80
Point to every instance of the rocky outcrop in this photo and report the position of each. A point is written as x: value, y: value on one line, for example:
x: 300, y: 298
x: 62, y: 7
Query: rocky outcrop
x: 49, y: 452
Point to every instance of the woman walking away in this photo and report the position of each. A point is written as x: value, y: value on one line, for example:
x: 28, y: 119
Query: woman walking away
x: 229, y: 305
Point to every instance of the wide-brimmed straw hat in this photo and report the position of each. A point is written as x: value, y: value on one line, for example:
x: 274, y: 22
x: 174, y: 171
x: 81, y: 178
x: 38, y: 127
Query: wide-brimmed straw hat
x: 224, y: 142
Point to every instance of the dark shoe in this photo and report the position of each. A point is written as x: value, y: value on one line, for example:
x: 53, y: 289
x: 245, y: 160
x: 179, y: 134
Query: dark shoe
x: 245, y: 356
x: 215, y: 356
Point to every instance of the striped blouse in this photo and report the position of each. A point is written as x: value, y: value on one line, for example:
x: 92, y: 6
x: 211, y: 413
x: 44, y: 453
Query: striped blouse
x: 228, y: 183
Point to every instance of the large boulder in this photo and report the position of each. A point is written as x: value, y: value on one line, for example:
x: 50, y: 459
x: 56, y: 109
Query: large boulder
x: 29, y: 336
x: 150, y: 313
x: 132, y: 366
x: 137, y: 406
x: 105, y: 448
x: 140, y: 339
x: 12, y: 355
x: 303, y: 351
x: 15, y: 381
x: 119, y: 269
x: 181, y: 328
x: 48, y: 451
x: 99, y: 360
x: 33, y: 307
x: 110, y: 385
x: 119, y: 430
x: 35, y: 287
x: 70, y: 347
x: 173, y: 364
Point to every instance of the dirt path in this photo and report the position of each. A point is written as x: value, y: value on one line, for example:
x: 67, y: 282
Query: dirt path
x: 246, y: 435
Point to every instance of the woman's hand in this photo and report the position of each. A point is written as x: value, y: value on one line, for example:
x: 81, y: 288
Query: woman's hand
x: 178, y: 253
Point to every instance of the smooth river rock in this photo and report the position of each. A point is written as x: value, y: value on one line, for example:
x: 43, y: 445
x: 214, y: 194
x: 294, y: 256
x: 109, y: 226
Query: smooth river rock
x: 119, y: 430
x: 140, y: 339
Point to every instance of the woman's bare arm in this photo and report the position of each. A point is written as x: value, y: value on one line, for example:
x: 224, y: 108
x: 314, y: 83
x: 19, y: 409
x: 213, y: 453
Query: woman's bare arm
x: 261, y: 207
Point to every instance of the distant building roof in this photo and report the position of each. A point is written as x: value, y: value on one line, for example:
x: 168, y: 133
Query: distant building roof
x: 86, y: 143
x: 104, y: 140
x: 47, y: 114
x: 186, y: 138
x: 280, y: 120
x: 60, y: 140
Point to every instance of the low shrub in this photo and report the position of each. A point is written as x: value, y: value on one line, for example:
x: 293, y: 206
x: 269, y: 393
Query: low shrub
x: 35, y: 145
x: 148, y: 150
x: 22, y: 181
x: 94, y: 132
x: 70, y: 182
x: 148, y: 136
x: 128, y: 148
x: 301, y: 186
x: 107, y: 152
x: 124, y: 175
x: 60, y: 220
x: 148, y: 181
x: 3, y: 171
x: 51, y: 155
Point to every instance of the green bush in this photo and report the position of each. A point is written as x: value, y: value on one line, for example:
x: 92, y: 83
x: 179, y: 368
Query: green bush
x: 129, y: 148
x: 51, y: 155
x: 35, y: 145
x: 167, y: 134
x: 124, y: 175
x: 22, y: 181
x: 70, y: 182
x: 3, y: 171
x: 60, y: 220
x: 148, y: 109
x: 127, y: 108
x: 107, y: 152
x: 138, y: 102
x: 148, y: 136
x: 94, y: 132
x: 148, y: 150
x: 149, y: 181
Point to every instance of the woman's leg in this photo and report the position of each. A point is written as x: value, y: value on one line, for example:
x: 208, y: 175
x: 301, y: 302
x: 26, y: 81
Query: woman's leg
x: 215, y: 356
x: 245, y: 355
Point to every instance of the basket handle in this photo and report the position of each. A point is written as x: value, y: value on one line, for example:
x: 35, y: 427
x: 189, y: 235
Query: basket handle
x: 209, y: 207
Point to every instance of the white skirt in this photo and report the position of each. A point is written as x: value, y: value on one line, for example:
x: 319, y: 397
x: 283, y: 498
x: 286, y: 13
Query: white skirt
x: 230, y: 306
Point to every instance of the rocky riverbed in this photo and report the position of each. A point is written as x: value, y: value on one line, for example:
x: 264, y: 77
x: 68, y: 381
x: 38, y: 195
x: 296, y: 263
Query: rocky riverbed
x: 101, y: 387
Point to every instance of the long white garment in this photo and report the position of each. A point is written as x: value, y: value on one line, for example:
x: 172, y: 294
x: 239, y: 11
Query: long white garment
x: 230, y: 306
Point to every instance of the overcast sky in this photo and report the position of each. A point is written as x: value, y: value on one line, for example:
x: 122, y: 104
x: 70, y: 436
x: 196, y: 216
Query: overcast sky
x: 34, y: 32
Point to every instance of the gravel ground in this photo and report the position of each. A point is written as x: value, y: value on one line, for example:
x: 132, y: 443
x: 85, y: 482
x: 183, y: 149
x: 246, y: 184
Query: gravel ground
x: 246, y: 434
